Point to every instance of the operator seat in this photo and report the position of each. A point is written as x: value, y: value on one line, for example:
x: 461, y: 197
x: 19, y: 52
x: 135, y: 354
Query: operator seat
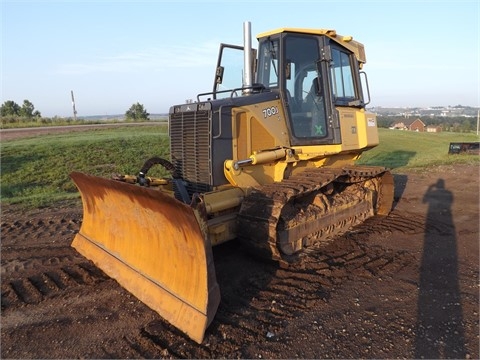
x: 311, y: 96
x: 314, y: 105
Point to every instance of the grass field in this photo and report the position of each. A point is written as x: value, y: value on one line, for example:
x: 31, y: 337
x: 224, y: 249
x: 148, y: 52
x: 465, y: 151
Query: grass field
x: 35, y: 171
x: 399, y: 150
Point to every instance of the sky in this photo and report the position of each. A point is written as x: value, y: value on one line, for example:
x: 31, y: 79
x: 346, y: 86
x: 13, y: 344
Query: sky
x: 112, y: 54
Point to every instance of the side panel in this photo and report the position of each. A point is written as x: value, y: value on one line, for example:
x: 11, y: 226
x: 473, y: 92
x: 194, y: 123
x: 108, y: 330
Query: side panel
x: 222, y: 140
x: 349, y: 129
x: 358, y: 129
x: 243, y: 125
x: 259, y: 127
x: 368, y: 133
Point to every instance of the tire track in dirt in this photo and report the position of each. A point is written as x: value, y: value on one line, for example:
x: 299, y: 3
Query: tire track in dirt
x: 261, y: 299
x: 39, y: 230
x: 38, y: 262
x: 257, y: 302
x: 44, y: 284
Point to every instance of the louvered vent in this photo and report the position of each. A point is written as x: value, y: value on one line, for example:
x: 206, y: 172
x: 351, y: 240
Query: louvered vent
x: 190, y: 149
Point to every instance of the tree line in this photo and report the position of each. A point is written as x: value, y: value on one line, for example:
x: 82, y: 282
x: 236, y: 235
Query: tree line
x: 11, y: 112
x: 11, y: 108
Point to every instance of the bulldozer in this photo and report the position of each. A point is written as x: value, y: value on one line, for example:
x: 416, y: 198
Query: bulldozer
x: 267, y: 159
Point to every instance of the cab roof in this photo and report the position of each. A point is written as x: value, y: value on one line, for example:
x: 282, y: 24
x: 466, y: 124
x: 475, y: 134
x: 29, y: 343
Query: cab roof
x: 346, y: 41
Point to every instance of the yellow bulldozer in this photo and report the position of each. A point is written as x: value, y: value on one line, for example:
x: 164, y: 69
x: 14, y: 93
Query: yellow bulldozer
x: 267, y: 158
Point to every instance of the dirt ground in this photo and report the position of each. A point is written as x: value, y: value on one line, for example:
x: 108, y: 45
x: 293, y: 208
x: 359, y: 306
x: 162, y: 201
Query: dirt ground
x: 403, y: 287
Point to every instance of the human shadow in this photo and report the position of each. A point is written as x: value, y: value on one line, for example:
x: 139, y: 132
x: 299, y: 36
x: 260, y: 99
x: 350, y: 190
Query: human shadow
x: 439, y: 330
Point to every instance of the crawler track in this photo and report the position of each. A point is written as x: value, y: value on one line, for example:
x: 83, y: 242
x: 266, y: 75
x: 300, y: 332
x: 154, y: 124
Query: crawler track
x: 282, y: 219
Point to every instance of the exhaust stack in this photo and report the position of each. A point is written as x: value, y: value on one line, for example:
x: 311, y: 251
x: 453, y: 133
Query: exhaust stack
x: 248, y: 58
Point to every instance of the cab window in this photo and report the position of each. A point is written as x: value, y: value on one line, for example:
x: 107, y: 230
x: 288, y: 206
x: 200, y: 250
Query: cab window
x: 304, y: 93
x: 268, y: 58
x: 342, y: 76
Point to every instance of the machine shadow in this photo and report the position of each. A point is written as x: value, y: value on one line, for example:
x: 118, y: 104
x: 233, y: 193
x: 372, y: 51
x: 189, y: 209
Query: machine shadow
x: 394, y: 159
x: 241, y: 276
x: 439, y: 331
x: 400, y: 181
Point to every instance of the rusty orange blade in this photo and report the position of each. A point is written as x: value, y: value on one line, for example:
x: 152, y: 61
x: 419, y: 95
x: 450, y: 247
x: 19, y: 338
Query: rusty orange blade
x: 153, y: 246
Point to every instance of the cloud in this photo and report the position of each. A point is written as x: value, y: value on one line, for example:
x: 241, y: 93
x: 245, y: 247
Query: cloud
x: 153, y: 59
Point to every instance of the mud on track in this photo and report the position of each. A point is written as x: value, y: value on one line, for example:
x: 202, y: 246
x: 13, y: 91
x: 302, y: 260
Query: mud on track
x: 404, y: 286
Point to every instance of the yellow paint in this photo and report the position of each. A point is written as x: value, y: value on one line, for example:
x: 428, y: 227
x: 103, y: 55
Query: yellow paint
x: 153, y: 246
x: 345, y: 41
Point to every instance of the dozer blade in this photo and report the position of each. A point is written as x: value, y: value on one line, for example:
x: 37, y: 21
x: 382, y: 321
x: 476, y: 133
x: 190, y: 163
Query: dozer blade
x: 153, y: 246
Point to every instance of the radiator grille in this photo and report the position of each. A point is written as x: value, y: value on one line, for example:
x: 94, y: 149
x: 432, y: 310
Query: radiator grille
x: 190, y: 149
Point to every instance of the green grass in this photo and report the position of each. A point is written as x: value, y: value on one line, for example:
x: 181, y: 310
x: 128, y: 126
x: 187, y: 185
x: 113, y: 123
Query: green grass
x: 402, y: 150
x: 35, y: 171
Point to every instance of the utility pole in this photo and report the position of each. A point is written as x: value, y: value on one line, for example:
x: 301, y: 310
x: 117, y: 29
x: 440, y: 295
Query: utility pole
x: 74, y: 111
x: 478, y: 119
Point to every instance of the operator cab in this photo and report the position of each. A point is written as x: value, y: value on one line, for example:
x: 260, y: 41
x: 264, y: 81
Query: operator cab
x: 301, y: 81
x: 312, y: 70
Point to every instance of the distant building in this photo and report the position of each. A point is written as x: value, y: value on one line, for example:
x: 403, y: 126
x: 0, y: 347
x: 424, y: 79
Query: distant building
x: 434, y: 128
x: 409, y: 124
